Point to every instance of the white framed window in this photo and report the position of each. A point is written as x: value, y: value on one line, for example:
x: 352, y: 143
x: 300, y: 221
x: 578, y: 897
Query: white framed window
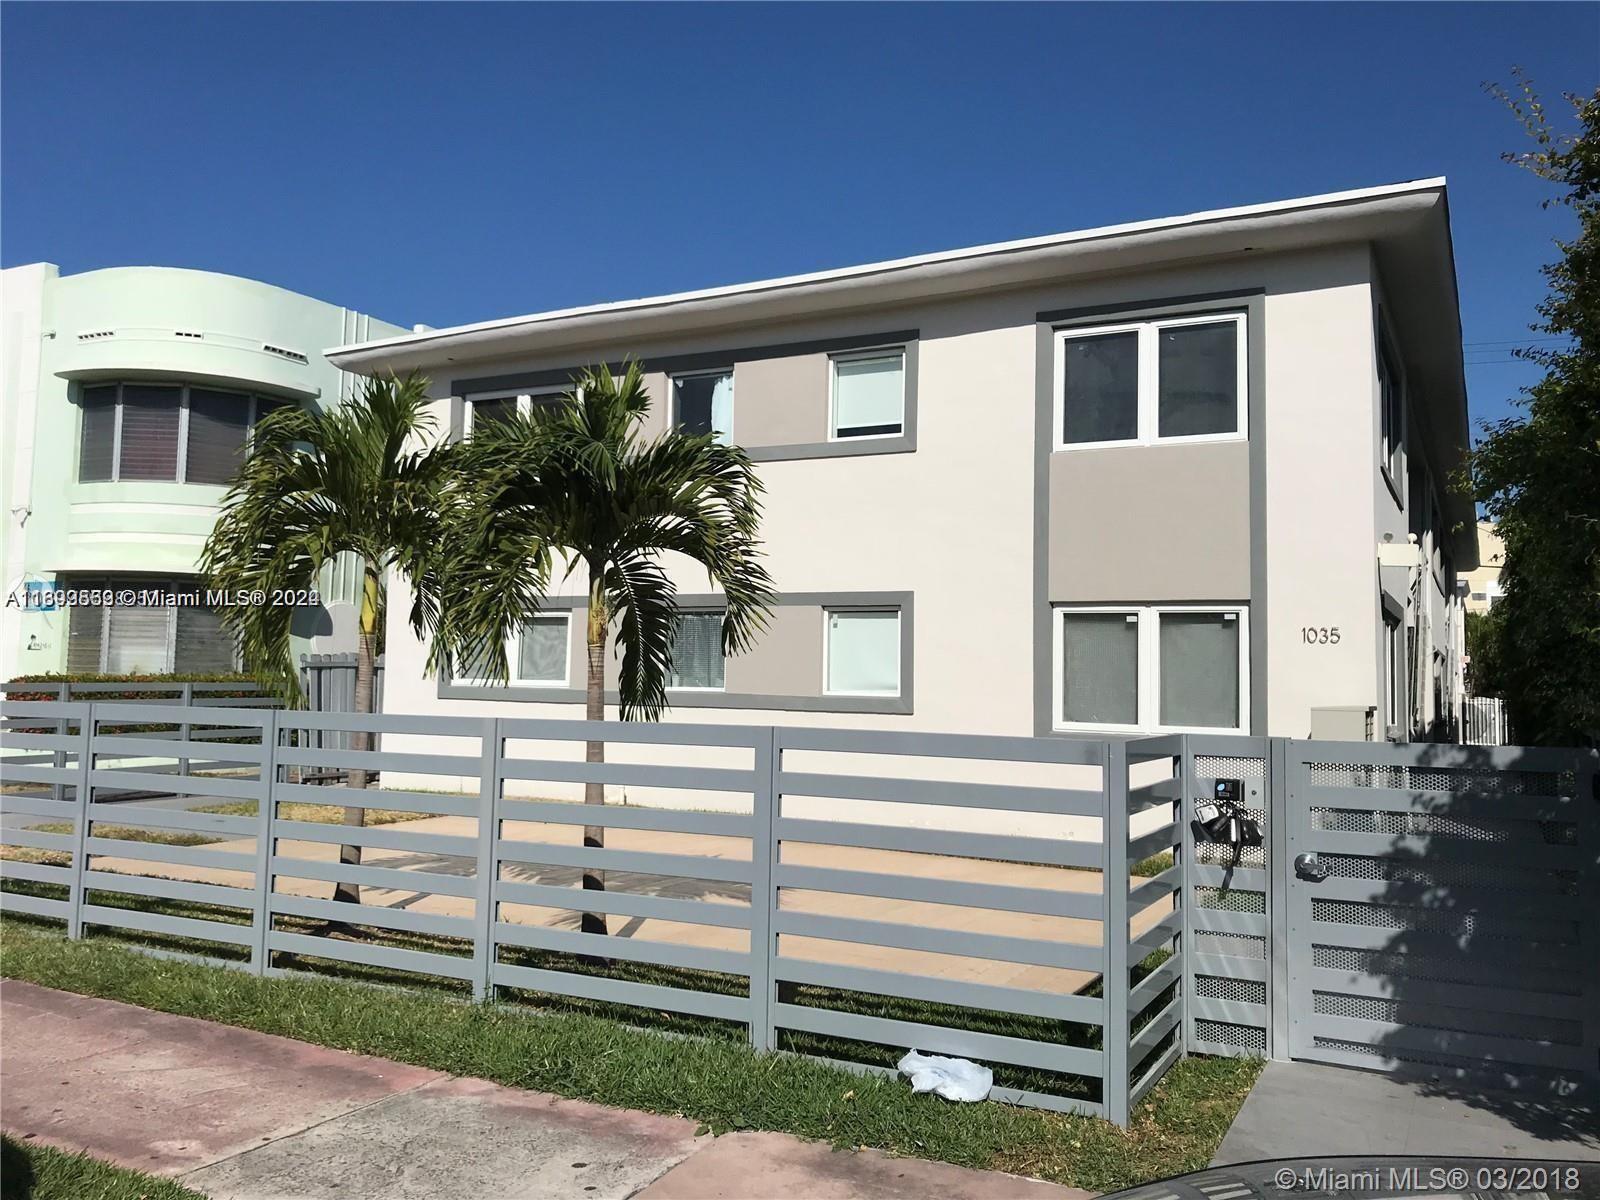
x: 861, y: 651
x: 697, y: 659
x: 1179, y: 379
x: 538, y: 655
x: 1143, y: 668
x: 541, y: 652
x: 702, y: 402
x: 497, y: 406
x: 867, y: 394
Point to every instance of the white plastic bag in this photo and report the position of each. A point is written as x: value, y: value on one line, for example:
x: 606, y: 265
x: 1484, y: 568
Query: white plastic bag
x: 952, y: 1078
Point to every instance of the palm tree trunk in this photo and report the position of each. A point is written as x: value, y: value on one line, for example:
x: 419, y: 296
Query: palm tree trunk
x: 594, y: 879
x: 366, y: 662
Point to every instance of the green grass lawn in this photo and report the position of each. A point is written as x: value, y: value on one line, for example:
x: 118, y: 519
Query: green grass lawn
x: 1040, y: 1029
x: 720, y: 1082
x: 32, y: 1172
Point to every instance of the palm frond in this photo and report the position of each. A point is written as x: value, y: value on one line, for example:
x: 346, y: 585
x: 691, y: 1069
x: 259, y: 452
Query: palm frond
x: 362, y: 477
x: 577, y: 481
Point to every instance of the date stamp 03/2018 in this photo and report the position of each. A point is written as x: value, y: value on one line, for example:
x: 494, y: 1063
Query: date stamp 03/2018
x: 1412, y: 1178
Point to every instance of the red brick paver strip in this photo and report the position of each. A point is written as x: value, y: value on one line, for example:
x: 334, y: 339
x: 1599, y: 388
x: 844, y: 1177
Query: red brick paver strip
x: 247, y: 1116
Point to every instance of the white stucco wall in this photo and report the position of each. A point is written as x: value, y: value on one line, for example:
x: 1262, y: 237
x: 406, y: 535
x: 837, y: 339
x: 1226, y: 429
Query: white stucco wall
x: 1321, y: 556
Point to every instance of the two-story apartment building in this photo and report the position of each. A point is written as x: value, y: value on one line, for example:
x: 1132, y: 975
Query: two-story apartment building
x: 127, y: 402
x: 1162, y: 475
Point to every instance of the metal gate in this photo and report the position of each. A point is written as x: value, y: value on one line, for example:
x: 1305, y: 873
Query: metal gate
x: 1440, y: 911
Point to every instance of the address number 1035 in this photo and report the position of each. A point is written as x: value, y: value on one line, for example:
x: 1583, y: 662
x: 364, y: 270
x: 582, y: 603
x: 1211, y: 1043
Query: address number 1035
x: 1320, y: 635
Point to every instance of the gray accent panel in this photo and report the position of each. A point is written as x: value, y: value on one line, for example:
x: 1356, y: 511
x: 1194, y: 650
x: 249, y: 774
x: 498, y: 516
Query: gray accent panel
x: 1253, y: 302
x: 788, y: 438
x: 775, y: 401
x: 659, y: 419
x: 788, y: 666
x: 1163, y: 523
x: 788, y: 658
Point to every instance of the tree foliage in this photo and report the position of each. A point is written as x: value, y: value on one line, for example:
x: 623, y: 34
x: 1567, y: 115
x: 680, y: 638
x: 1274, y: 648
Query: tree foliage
x: 362, y: 477
x: 1537, y: 474
x: 575, y: 487
x: 1485, y: 653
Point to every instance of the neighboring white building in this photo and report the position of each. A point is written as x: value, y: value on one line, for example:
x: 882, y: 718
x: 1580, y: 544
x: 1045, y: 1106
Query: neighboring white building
x: 127, y: 400
x: 1483, y: 585
x: 1184, y: 473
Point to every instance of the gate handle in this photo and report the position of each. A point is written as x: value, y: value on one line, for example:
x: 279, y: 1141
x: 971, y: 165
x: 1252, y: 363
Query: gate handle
x: 1307, y: 867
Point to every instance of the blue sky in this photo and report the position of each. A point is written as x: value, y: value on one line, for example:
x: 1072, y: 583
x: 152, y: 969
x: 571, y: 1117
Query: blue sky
x: 449, y: 163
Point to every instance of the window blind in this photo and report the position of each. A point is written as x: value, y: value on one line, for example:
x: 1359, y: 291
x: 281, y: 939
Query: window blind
x: 542, y: 650
x: 1100, y: 668
x: 864, y: 652
x: 150, y: 428
x: 202, y: 643
x: 1200, y: 670
x: 136, y: 640
x: 266, y: 406
x: 218, y: 423
x: 868, y: 395
x: 84, y: 627
x: 697, y: 660
x: 99, y: 433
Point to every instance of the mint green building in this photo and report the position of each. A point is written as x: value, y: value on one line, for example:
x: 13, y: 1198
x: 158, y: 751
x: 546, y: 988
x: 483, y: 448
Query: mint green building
x: 128, y: 399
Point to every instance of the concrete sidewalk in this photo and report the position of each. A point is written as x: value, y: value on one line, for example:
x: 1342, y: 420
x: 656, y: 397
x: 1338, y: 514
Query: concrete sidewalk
x: 246, y: 1116
x: 1303, y: 1110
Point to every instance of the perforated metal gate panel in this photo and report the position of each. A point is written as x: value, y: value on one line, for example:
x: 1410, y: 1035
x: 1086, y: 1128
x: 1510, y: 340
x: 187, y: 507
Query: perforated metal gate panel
x: 1228, y: 903
x: 1441, y: 911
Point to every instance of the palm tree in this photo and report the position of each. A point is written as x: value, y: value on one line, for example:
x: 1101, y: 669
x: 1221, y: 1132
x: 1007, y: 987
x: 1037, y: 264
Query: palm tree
x: 574, y: 485
x: 364, y: 478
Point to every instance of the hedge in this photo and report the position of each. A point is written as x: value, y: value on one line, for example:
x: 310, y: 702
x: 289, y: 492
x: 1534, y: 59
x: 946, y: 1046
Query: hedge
x: 12, y: 692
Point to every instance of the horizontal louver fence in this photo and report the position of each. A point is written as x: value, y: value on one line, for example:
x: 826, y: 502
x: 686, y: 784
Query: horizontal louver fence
x: 841, y: 894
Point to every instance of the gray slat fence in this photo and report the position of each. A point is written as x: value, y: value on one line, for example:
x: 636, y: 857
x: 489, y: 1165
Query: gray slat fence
x: 848, y: 890
x: 178, y: 693
x: 329, y: 684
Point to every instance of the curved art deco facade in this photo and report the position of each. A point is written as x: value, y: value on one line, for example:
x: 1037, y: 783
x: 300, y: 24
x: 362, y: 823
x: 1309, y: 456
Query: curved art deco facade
x: 128, y: 395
